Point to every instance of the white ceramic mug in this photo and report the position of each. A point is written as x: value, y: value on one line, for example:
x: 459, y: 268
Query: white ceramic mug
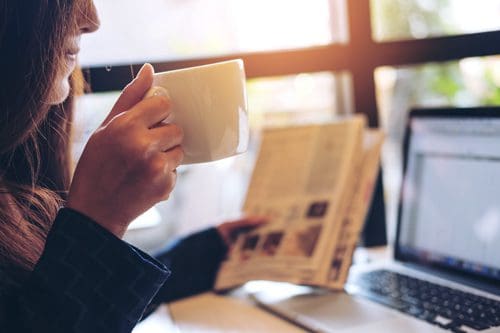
x: 209, y: 103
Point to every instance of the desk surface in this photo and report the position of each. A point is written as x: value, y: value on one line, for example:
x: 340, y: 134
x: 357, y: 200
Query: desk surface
x: 214, y: 313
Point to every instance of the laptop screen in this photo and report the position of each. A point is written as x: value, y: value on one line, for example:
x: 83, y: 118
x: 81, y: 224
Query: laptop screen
x: 450, y: 201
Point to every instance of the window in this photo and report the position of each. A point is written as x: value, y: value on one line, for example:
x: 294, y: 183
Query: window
x: 416, y: 19
x: 162, y: 30
x: 305, y: 60
x: 464, y: 82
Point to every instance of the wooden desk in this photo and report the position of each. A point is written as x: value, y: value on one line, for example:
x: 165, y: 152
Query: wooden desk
x: 214, y: 313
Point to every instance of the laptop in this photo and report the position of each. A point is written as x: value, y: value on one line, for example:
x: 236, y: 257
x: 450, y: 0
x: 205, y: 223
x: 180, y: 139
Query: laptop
x: 444, y: 275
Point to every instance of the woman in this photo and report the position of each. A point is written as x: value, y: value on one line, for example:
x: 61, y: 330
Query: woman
x: 66, y: 269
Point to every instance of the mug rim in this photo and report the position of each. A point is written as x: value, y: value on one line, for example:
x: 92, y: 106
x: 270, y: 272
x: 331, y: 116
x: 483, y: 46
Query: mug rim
x: 238, y: 61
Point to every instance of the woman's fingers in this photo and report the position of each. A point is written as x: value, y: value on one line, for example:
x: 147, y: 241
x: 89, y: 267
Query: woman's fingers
x: 170, y: 161
x: 173, y: 158
x: 151, y: 111
x: 230, y: 230
x: 249, y: 222
x: 133, y: 93
x: 140, y: 154
x: 167, y: 136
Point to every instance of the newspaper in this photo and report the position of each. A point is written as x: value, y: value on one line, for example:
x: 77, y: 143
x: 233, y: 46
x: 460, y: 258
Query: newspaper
x: 315, y: 184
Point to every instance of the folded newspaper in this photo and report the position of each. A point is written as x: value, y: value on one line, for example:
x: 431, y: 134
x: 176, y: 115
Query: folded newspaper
x: 315, y: 183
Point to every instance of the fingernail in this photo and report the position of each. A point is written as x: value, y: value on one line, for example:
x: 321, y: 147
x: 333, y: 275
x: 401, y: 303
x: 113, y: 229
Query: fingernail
x: 157, y: 91
x: 170, y: 119
x: 160, y: 91
x: 143, y: 68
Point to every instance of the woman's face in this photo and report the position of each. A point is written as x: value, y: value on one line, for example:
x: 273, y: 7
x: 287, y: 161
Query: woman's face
x: 87, y: 21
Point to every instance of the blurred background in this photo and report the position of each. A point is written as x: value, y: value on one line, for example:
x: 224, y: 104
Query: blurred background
x: 306, y: 61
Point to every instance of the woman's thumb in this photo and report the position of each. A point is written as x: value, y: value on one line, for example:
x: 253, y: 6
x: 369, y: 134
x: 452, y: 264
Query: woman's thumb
x: 133, y: 93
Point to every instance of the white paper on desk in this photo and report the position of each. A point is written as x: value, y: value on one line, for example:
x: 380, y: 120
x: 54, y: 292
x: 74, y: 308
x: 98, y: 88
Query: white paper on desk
x: 305, y: 179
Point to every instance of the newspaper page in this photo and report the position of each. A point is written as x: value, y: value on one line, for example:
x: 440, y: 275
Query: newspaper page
x: 299, y: 182
x: 337, y: 267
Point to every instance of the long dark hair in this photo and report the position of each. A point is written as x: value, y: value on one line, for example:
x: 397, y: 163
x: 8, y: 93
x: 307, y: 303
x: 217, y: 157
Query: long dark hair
x: 34, y: 136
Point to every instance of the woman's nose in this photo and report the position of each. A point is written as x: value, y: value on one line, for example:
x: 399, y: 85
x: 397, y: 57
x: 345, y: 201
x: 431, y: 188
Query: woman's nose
x: 88, y: 19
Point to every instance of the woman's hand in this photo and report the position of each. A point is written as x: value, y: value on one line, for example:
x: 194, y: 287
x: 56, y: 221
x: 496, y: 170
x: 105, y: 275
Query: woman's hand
x: 129, y: 163
x: 230, y: 230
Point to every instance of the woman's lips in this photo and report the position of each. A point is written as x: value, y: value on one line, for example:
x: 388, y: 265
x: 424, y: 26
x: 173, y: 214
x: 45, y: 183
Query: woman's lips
x: 72, y: 52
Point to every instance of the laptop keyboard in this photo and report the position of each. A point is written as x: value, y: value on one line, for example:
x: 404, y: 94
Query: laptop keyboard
x: 448, y: 308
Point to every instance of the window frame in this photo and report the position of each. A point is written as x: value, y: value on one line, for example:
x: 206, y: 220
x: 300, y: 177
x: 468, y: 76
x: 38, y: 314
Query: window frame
x: 360, y: 55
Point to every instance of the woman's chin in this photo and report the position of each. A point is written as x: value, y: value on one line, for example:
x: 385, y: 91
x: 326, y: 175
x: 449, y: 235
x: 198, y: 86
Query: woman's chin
x: 60, y: 93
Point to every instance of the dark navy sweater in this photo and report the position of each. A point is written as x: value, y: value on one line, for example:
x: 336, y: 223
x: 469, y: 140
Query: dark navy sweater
x: 88, y: 280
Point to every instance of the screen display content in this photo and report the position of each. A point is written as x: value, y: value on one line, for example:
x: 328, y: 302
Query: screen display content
x: 450, y: 204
